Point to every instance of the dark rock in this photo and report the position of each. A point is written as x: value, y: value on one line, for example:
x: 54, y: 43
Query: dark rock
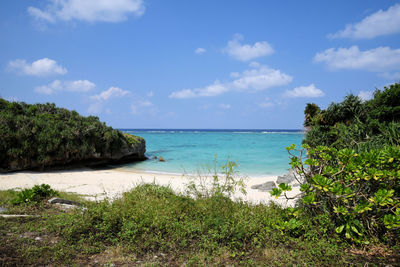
x: 128, y: 152
x: 265, y: 187
x: 56, y: 200
x: 287, y: 178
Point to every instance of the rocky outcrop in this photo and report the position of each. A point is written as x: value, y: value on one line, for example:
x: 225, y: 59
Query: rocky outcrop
x: 132, y: 149
x: 288, y: 178
x: 43, y: 136
x: 129, y: 151
x: 265, y: 187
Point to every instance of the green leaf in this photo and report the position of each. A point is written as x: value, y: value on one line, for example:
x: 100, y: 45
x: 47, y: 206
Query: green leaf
x: 339, y: 229
x: 354, y: 229
x: 276, y: 192
x: 309, y: 199
x: 285, y: 187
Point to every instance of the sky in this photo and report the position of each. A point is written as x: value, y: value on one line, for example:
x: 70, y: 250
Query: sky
x: 228, y: 64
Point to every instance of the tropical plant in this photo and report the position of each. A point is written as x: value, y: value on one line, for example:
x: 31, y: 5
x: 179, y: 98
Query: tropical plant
x: 357, y: 124
x: 359, y: 191
x: 34, y: 195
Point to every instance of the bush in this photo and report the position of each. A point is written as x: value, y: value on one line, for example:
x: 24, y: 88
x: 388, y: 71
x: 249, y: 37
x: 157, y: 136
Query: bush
x: 360, y: 192
x: 34, y: 195
x: 356, y: 124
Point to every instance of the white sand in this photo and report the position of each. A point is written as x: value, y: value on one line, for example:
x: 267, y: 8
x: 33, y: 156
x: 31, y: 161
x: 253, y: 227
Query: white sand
x: 98, y: 184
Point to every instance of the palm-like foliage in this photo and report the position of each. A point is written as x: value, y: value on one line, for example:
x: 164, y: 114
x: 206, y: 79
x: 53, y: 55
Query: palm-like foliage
x: 357, y: 124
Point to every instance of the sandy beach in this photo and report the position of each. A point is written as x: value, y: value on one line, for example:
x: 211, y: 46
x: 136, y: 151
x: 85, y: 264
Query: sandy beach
x: 111, y: 183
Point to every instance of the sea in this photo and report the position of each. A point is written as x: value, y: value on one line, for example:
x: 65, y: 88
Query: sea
x: 192, y: 151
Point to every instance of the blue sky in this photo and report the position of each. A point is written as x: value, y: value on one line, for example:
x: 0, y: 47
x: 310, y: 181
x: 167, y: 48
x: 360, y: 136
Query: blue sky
x: 196, y: 64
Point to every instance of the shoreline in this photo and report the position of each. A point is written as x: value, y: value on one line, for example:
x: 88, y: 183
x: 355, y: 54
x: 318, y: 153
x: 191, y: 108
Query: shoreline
x: 167, y: 173
x: 111, y: 183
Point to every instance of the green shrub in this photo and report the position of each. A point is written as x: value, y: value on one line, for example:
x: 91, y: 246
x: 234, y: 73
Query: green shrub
x: 34, y: 195
x: 356, y: 124
x: 360, y: 192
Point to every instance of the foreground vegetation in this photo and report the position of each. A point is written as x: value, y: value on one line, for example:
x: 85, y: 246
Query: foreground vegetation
x: 42, y: 135
x: 349, y: 167
x: 152, y: 225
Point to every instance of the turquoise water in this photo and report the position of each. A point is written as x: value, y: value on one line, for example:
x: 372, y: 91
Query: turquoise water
x: 258, y: 152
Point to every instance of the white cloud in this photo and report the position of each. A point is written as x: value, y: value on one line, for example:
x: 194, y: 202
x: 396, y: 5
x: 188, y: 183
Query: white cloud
x: 266, y: 103
x: 380, y: 23
x: 366, y: 95
x: 41, y: 15
x: 79, y: 86
x: 71, y: 86
x: 256, y: 79
x: 246, y: 52
x: 305, y: 91
x: 50, y: 88
x: 88, y: 10
x: 150, y: 94
x: 41, y: 67
x: 99, y: 100
x: 260, y: 79
x: 225, y: 106
x: 211, y: 90
x: 254, y: 64
x: 143, y: 106
x: 200, y: 50
x: 111, y: 92
x: 376, y: 60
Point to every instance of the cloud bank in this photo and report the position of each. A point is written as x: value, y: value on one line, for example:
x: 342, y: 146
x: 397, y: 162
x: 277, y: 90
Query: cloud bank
x: 380, y: 23
x: 87, y: 10
x: 41, y: 67
x: 304, y: 91
x: 111, y: 92
x: 71, y: 86
x: 258, y: 78
x: 380, y: 59
x: 246, y: 52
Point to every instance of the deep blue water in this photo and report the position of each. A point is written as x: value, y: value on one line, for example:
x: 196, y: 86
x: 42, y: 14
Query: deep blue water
x: 258, y: 152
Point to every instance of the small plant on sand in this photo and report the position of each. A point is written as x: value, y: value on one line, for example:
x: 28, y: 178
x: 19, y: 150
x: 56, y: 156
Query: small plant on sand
x: 222, y: 181
x: 34, y: 195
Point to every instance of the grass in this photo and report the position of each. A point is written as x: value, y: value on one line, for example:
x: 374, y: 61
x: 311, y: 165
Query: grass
x: 152, y: 225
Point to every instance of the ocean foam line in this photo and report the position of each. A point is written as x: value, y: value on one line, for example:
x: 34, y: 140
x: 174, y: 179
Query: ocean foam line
x: 296, y: 131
